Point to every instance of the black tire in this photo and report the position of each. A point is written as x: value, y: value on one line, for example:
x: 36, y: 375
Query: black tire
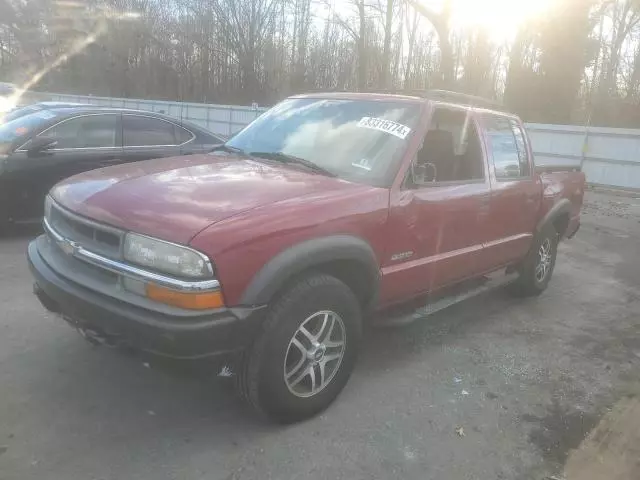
x: 531, y: 282
x: 261, y: 377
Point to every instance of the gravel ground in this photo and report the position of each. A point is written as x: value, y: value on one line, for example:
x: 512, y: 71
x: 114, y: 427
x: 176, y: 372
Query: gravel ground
x: 497, y: 388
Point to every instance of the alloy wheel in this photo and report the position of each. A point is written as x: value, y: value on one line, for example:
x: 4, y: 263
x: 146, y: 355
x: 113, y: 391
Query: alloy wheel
x: 544, y: 260
x: 315, y: 353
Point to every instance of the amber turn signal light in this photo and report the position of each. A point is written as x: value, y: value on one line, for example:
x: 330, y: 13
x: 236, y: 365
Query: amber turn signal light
x: 189, y: 301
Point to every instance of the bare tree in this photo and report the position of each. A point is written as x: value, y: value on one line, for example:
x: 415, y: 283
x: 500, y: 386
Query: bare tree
x: 440, y: 21
x: 581, y: 60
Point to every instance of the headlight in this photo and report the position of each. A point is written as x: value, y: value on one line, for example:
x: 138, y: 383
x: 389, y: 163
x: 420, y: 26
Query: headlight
x: 166, y: 257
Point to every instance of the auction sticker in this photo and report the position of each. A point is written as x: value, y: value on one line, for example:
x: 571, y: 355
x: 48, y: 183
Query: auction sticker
x: 387, y: 126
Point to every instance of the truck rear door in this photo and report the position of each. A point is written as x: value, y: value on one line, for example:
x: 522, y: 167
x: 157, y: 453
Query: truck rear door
x: 516, y: 191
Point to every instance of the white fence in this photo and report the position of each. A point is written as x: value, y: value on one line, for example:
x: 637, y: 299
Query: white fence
x: 608, y: 156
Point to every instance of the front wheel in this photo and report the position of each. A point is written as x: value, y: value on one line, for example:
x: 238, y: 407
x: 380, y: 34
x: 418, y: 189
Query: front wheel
x: 536, y: 270
x: 306, y: 351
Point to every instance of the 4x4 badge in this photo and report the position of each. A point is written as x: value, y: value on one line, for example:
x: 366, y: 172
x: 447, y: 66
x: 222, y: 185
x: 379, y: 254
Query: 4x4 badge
x: 401, y: 256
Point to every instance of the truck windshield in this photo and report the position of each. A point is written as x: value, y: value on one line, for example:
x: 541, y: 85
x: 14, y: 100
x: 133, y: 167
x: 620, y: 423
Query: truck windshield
x: 360, y: 141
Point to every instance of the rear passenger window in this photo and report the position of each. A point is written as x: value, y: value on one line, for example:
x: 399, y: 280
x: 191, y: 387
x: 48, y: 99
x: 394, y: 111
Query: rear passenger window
x: 510, y: 158
x: 183, y: 135
x: 139, y: 131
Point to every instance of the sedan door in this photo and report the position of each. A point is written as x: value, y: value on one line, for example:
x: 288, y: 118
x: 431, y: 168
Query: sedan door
x: 81, y: 143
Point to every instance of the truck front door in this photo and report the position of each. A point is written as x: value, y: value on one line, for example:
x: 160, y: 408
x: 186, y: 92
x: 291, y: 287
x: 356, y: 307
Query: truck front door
x: 438, y: 217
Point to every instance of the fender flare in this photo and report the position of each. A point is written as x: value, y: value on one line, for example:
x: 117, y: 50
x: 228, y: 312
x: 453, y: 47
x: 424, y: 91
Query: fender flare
x: 560, y: 208
x: 305, y: 255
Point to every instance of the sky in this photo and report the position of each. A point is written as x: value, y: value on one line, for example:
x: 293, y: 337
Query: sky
x: 501, y: 18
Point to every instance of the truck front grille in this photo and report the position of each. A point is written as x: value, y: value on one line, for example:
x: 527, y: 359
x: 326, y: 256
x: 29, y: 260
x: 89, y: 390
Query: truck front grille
x: 92, y: 236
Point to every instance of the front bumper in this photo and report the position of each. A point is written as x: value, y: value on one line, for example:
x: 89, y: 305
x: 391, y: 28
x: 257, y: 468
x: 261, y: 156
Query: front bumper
x: 188, y: 336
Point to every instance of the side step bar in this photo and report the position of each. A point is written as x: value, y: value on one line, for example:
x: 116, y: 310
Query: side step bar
x: 451, y: 297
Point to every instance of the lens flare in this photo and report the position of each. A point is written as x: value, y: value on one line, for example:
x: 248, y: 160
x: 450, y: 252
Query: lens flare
x: 10, y: 102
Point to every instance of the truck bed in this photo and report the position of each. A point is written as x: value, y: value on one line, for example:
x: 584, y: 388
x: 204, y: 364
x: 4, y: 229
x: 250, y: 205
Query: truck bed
x: 562, y: 183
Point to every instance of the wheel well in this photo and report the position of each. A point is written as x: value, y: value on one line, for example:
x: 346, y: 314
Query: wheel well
x: 560, y: 223
x: 353, y: 274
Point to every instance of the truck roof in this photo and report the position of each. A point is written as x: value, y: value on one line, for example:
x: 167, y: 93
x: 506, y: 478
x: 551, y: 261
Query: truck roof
x: 440, y: 96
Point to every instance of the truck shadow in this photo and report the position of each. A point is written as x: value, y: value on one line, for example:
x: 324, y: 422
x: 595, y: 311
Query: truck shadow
x: 96, y: 380
x: 389, y: 347
x: 66, y: 388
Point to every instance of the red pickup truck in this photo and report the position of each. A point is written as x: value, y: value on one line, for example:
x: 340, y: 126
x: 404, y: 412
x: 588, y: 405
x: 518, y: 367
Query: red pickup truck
x: 280, y: 246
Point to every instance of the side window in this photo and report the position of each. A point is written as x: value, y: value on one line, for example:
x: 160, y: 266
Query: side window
x: 506, y: 154
x: 139, y: 131
x: 91, y: 131
x: 451, y: 150
x: 523, y: 152
x: 182, y: 135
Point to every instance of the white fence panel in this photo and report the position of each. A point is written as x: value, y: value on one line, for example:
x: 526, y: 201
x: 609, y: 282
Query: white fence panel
x: 608, y: 156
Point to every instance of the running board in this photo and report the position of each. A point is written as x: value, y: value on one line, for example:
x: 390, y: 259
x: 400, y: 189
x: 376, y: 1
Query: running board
x: 484, y: 284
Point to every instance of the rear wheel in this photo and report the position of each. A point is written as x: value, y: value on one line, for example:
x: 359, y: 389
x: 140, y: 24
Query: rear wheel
x: 306, y: 351
x: 536, y: 270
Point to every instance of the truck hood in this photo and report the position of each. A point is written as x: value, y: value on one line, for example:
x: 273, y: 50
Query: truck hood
x: 176, y: 198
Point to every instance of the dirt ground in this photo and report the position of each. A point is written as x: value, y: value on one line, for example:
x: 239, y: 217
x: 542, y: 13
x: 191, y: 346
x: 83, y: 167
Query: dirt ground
x: 496, y: 388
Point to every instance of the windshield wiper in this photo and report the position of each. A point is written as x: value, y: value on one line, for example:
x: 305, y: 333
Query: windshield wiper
x: 284, y: 158
x: 227, y: 148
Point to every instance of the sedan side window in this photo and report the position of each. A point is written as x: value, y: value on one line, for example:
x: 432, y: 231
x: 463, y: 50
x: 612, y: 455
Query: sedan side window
x: 90, y: 131
x: 183, y: 135
x: 140, y: 131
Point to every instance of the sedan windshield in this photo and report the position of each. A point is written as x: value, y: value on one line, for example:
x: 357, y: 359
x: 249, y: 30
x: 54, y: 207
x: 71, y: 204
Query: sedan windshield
x: 20, y: 127
x: 355, y: 140
x: 19, y: 112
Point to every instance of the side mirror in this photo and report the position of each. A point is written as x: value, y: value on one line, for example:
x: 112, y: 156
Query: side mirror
x: 41, y: 144
x: 424, y: 173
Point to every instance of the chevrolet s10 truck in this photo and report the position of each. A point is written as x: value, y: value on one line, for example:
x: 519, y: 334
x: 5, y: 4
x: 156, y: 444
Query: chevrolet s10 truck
x: 327, y: 213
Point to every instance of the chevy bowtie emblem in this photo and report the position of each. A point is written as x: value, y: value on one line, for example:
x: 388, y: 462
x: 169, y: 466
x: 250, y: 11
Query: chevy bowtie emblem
x: 69, y: 247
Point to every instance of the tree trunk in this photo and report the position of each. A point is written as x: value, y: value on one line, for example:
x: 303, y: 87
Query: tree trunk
x: 362, y: 48
x: 386, y: 53
x: 440, y: 22
x: 412, y: 41
x: 514, y: 72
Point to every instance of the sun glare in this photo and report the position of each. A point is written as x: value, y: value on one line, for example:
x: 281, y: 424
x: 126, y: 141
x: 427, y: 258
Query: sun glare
x: 501, y: 18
